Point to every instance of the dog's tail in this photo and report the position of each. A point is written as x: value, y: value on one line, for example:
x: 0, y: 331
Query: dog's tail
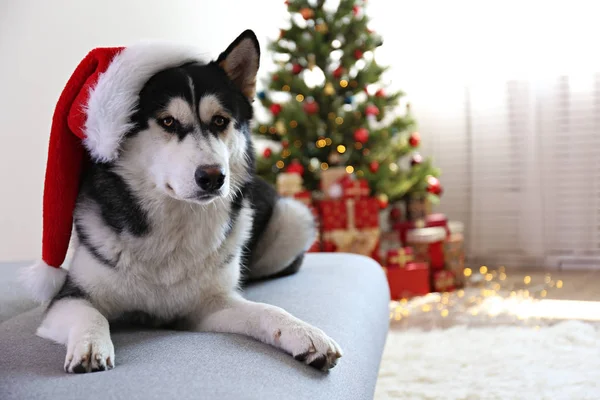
x: 42, y: 281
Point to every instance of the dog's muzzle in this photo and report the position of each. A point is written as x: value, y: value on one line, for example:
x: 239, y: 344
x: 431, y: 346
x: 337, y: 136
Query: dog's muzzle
x: 209, y: 178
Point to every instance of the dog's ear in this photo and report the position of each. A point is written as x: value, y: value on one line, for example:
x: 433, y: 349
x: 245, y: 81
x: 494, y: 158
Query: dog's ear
x: 240, y: 62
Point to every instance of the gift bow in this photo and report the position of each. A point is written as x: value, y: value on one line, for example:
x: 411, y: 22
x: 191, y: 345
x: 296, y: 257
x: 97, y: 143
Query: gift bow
x: 400, y: 259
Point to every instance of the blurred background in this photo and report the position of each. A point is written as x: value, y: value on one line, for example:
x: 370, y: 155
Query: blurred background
x: 505, y: 94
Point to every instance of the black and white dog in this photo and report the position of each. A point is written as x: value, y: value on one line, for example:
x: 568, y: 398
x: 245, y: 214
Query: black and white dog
x: 167, y: 232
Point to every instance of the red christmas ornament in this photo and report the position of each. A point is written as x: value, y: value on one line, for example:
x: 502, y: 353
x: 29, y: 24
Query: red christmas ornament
x: 355, y: 10
x: 295, y: 167
x: 414, y: 139
x: 371, y: 110
x: 337, y: 73
x: 433, y: 185
x: 267, y: 153
x: 307, y: 13
x: 275, y: 77
x: 383, y: 201
x: 311, y: 107
x: 275, y: 109
x: 285, y: 144
x: 380, y: 93
x: 416, y: 160
x: 395, y: 214
x: 296, y: 69
x: 361, y: 135
x: 374, y: 167
x: 286, y: 2
x: 358, y: 54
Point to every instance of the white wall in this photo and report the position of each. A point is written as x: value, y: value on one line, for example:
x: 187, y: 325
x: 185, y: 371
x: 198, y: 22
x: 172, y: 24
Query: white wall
x: 41, y: 42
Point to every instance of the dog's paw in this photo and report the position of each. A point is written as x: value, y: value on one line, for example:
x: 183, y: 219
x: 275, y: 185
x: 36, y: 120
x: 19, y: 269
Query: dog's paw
x: 89, y: 353
x: 309, y: 345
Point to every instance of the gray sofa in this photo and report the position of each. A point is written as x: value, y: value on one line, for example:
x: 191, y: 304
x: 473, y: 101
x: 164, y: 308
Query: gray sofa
x: 345, y: 295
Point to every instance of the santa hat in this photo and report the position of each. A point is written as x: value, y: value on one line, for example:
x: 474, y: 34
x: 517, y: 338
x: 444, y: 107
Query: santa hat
x: 91, y: 119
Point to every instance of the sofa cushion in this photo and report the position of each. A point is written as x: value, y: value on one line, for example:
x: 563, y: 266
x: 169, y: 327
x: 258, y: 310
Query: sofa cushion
x: 345, y: 295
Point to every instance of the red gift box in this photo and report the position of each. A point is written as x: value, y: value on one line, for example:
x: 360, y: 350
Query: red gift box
x: 412, y: 280
x: 433, y: 220
x: 355, y: 188
x: 398, y: 258
x: 428, y: 245
x: 350, y: 225
x: 444, y: 281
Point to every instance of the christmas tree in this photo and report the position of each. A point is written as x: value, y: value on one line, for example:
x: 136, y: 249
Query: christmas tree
x: 328, y: 107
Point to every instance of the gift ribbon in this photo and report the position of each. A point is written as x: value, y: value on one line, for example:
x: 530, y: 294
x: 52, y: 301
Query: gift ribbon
x: 352, y: 240
x: 400, y: 259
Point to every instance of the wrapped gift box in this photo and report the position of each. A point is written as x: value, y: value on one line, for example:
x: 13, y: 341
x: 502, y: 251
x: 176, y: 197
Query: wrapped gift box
x: 350, y: 225
x: 454, y: 252
x: 288, y: 184
x: 410, y: 281
x: 355, y: 188
x: 430, y: 221
x: 428, y: 245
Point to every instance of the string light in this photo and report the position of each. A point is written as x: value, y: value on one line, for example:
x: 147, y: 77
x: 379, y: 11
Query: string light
x: 543, y: 293
x: 467, y: 272
x: 331, y: 115
x: 527, y: 280
x: 293, y: 123
x: 321, y: 143
x: 393, y: 167
x: 483, y: 270
x: 559, y: 284
x: 488, y: 277
x: 349, y: 169
x: 366, y: 152
x: 328, y: 141
x: 343, y: 83
x: 502, y: 276
x: 341, y: 148
x: 285, y: 153
x: 339, y: 120
x: 358, y: 145
x: 286, y: 88
x: 299, y: 98
x: 262, y: 129
x: 444, y: 313
x: 324, y: 166
x: 279, y: 164
x: 298, y: 143
x: 360, y: 173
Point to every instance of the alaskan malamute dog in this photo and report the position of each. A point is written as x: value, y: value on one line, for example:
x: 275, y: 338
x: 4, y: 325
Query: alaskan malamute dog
x: 166, y: 233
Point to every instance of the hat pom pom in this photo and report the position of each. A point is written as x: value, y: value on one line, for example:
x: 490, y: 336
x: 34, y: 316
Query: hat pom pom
x: 42, y: 281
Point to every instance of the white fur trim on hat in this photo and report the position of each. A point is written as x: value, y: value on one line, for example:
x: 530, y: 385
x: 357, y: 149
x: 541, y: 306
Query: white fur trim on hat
x: 114, y: 98
x: 42, y: 281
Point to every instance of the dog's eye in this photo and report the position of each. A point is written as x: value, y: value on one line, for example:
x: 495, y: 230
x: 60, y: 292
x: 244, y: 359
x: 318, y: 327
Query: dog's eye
x: 167, y: 121
x: 219, y: 121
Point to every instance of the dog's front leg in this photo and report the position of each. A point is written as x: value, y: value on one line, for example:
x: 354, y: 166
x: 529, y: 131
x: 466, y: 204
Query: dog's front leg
x: 85, y: 332
x: 271, y: 325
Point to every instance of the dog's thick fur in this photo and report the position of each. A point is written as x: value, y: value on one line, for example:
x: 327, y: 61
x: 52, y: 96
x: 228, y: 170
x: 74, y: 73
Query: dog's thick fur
x: 155, y: 247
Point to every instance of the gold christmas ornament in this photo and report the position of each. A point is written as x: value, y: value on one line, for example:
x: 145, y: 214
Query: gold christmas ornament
x: 293, y: 123
x: 322, y: 28
x: 280, y: 127
x: 329, y: 90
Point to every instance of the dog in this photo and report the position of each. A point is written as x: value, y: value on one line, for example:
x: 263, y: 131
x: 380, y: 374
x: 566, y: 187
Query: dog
x: 167, y: 234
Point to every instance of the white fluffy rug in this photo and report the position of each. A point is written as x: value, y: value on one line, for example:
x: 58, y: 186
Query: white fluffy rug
x: 502, y: 362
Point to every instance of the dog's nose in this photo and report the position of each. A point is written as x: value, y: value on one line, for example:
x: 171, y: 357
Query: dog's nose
x: 210, y: 178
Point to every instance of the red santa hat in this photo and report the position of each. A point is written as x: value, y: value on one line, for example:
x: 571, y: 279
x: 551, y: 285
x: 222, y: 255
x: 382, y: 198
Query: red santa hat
x: 91, y: 119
